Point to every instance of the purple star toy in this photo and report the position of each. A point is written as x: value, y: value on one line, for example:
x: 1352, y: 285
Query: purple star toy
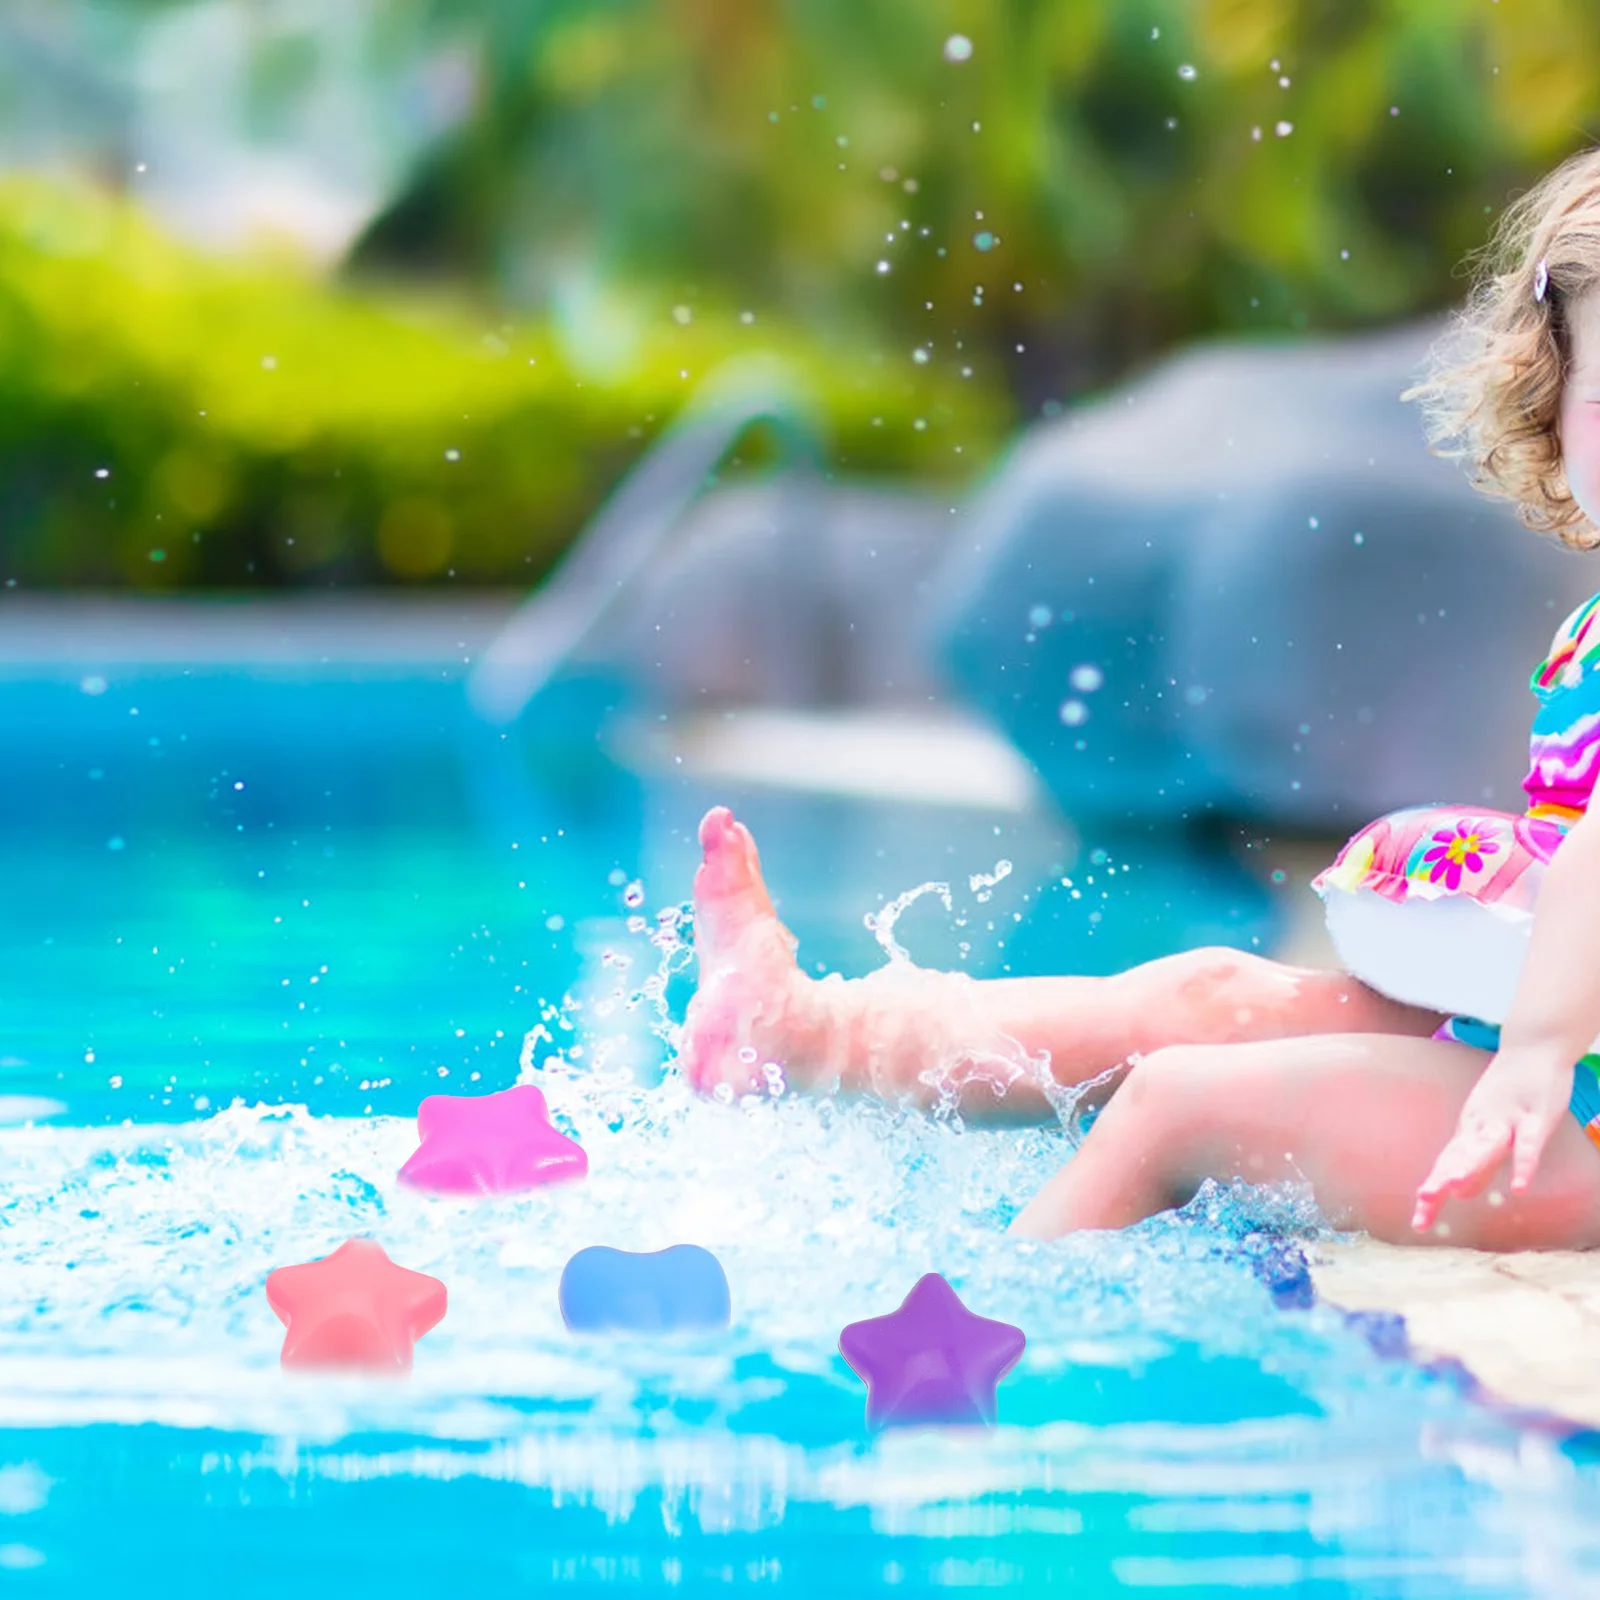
x: 932, y: 1360
x: 490, y: 1144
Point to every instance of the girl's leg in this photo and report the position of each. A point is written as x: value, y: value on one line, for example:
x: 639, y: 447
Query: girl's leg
x: 1361, y: 1117
x: 902, y: 1026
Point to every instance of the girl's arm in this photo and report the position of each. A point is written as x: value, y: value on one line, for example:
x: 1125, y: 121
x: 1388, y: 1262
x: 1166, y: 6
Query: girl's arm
x: 1556, y: 1008
x: 1555, y: 1018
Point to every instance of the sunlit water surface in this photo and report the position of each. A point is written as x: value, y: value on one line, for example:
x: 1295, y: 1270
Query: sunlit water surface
x: 236, y: 959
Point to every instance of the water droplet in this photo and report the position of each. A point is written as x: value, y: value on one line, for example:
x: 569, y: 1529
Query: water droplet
x: 883, y: 267
x: 682, y: 315
x: 985, y: 881
x: 958, y: 47
x: 920, y: 356
x: 1188, y: 73
x: 1086, y: 678
x: 984, y: 240
x: 1074, y: 713
x: 633, y: 895
x: 1039, y: 617
x: 747, y: 1053
x: 1283, y: 129
x: 452, y: 455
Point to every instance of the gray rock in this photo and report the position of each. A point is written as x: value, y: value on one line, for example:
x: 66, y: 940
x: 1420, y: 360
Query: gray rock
x: 1264, y: 597
x: 1292, y: 610
x: 787, y: 591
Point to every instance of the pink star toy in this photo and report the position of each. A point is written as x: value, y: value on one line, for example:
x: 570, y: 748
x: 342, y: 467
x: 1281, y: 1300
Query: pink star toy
x: 490, y: 1144
x: 355, y: 1308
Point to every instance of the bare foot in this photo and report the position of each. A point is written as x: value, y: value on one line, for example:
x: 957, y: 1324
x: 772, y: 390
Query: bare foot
x: 755, y: 1016
x: 757, y: 1023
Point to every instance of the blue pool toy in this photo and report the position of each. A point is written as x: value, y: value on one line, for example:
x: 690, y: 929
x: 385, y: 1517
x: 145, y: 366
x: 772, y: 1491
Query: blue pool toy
x: 604, y: 1290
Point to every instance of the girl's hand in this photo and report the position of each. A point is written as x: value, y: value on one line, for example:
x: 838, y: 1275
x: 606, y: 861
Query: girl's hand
x: 1512, y: 1110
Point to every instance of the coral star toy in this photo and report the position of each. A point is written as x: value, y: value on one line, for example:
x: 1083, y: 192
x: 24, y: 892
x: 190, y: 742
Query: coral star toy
x: 490, y: 1144
x: 354, y: 1308
x: 932, y: 1360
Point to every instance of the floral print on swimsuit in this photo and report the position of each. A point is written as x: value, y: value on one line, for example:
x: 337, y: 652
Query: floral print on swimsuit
x: 1427, y: 852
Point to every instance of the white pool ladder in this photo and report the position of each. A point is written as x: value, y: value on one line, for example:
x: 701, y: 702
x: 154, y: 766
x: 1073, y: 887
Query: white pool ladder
x: 637, y: 522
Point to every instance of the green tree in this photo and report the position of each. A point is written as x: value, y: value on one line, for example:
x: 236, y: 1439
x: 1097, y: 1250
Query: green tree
x: 1095, y: 182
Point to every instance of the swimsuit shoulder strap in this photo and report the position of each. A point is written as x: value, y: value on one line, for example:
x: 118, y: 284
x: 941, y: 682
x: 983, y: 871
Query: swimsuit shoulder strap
x: 1577, y: 638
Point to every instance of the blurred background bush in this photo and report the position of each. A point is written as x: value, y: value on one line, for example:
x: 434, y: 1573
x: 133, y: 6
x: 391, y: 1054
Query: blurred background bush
x: 393, y: 290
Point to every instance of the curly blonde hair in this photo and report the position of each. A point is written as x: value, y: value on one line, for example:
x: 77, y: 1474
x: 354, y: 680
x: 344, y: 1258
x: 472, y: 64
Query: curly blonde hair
x: 1494, y: 381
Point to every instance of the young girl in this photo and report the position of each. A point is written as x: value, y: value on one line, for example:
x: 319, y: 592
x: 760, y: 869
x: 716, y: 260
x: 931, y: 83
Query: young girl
x: 1227, y: 1065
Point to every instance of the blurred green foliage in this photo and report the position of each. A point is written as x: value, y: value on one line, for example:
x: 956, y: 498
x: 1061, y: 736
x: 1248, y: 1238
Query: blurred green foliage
x: 1093, y: 182
x: 167, y: 419
x: 947, y: 213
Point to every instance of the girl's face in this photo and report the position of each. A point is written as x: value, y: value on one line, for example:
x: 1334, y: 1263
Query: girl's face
x: 1580, y: 406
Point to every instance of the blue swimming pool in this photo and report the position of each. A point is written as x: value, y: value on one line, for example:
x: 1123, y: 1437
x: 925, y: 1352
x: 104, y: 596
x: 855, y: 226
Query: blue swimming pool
x: 252, y: 919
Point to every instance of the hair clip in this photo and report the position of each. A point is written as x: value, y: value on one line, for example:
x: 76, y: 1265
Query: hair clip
x: 1541, y: 279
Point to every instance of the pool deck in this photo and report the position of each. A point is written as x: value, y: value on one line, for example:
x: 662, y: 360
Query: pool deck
x: 1525, y: 1325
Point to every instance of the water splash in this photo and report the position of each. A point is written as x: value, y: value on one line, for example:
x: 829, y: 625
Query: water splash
x: 880, y: 924
x: 968, y: 1063
x: 969, y: 1049
x: 982, y: 883
x: 136, y: 1258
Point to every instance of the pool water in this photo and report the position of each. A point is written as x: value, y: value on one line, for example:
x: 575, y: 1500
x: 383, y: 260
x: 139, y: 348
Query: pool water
x: 251, y: 921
